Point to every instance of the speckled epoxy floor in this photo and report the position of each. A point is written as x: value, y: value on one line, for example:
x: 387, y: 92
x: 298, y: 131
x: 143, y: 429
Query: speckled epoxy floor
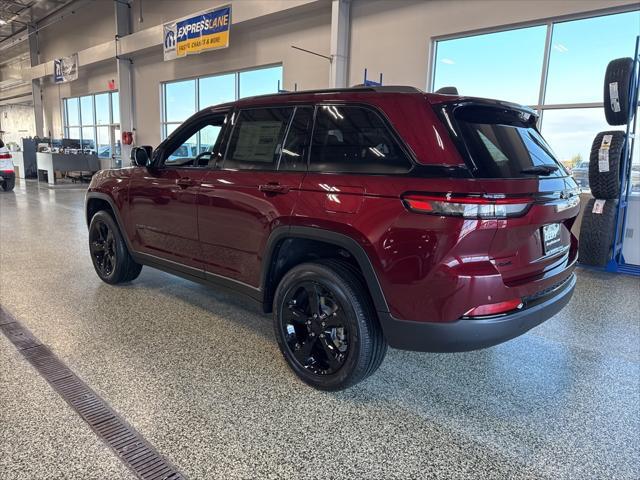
x: 200, y: 376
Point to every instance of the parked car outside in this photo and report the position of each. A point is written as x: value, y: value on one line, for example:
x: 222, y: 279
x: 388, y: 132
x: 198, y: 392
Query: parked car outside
x: 580, y: 174
x: 360, y: 218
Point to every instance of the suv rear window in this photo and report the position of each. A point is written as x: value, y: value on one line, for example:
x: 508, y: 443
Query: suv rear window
x: 354, y: 139
x: 499, y: 142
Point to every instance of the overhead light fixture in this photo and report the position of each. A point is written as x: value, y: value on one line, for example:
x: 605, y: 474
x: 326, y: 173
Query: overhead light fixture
x: 3, y: 22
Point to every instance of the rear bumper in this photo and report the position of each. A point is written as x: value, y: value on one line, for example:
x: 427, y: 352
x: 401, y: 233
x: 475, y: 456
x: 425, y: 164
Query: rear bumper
x: 5, y: 175
x: 464, y: 335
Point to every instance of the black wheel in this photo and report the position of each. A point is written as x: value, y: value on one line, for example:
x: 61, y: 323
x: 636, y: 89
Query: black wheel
x: 8, y: 184
x: 604, y: 164
x: 109, y: 253
x: 596, y: 233
x: 617, y: 82
x: 326, y: 326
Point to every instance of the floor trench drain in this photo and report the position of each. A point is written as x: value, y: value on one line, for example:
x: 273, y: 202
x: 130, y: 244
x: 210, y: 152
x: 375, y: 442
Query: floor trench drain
x: 132, y: 449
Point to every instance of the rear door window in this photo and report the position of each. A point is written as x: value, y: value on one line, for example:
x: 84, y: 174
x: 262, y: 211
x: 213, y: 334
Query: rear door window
x: 257, y: 138
x: 353, y: 139
x: 503, y: 143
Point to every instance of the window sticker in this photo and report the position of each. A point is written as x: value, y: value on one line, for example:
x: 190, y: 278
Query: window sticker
x: 257, y: 141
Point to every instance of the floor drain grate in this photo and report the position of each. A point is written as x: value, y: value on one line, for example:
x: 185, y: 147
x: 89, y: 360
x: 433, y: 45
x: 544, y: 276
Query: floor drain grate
x: 129, y: 445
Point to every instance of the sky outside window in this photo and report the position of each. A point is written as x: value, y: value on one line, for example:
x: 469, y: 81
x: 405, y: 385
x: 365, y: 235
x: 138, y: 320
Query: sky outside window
x: 260, y: 82
x: 580, y: 52
x: 180, y: 100
x: 505, y: 65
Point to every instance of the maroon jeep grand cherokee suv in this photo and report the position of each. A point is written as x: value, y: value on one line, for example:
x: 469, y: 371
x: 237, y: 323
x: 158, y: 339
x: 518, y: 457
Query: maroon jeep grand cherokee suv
x: 362, y: 218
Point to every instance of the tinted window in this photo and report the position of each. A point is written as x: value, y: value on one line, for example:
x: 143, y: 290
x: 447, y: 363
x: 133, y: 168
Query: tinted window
x: 256, y: 141
x: 356, y: 140
x: 503, y: 143
x: 296, y: 144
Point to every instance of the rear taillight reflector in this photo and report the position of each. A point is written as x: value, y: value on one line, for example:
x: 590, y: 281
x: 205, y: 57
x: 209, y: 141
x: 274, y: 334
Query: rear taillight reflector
x: 5, y: 156
x: 467, y: 206
x: 495, y: 308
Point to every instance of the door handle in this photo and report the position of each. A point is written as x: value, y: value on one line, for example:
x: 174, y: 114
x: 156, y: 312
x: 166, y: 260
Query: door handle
x: 185, y: 182
x: 274, y: 188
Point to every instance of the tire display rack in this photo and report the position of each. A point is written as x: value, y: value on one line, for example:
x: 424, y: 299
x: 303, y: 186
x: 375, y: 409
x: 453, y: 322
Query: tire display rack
x: 617, y: 263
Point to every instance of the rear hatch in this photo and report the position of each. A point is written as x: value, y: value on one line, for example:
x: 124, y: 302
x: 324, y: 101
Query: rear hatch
x: 505, y: 153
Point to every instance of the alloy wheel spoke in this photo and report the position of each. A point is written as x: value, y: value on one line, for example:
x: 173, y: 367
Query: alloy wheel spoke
x: 296, y: 314
x: 304, y: 351
x: 332, y: 353
x: 313, y: 295
x: 98, y: 246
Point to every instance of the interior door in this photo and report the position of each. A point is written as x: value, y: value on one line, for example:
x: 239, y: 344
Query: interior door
x: 163, y: 197
x: 255, y: 191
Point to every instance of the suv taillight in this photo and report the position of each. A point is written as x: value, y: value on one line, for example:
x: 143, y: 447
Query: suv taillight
x: 467, y: 206
x: 5, y: 156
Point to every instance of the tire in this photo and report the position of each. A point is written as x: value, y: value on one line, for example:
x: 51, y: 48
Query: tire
x: 606, y: 184
x: 8, y: 184
x: 344, y: 344
x: 596, y: 234
x: 617, y: 79
x: 111, y: 258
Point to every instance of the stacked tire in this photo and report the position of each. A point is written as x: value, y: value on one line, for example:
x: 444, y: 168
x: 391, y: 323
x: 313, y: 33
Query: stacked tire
x: 597, y: 231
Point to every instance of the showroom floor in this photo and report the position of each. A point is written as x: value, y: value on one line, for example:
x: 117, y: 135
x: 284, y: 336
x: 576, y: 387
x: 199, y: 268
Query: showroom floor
x: 200, y: 377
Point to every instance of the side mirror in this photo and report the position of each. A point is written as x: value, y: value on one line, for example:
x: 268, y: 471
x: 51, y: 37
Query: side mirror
x: 140, y: 156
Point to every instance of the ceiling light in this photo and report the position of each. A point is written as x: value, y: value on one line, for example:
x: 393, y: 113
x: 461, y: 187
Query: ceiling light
x: 3, y: 22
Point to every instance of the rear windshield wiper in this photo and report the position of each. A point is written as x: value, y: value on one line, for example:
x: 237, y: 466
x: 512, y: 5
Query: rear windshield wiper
x: 540, y: 169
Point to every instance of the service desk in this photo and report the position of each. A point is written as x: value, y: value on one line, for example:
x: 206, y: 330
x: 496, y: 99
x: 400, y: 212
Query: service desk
x: 66, y: 162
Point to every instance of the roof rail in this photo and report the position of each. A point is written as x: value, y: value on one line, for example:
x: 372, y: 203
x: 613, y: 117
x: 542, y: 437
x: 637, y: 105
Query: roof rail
x: 397, y: 89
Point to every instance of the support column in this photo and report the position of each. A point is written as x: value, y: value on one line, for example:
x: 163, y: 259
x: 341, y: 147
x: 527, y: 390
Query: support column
x: 124, y: 80
x: 340, y: 33
x: 36, y: 87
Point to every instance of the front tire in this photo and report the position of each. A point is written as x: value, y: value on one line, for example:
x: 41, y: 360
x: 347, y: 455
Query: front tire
x: 326, y: 326
x: 109, y: 253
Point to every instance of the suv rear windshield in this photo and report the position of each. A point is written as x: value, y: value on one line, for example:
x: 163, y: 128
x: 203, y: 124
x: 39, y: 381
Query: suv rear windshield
x: 499, y: 142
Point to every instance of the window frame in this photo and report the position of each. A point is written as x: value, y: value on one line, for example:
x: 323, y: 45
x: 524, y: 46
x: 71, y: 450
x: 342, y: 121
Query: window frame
x: 549, y: 22
x: 93, y: 124
x: 165, y: 122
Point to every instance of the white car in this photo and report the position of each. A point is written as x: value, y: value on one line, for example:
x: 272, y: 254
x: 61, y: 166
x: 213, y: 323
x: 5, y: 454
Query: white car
x: 7, y: 172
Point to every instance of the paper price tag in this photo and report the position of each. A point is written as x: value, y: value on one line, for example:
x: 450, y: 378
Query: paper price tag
x: 603, y: 153
x: 598, y: 206
x: 614, y: 97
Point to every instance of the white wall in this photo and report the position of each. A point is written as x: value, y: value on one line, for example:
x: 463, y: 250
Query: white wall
x: 394, y: 37
x: 16, y: 122
x: 90, y: 80
x: 91, y: 24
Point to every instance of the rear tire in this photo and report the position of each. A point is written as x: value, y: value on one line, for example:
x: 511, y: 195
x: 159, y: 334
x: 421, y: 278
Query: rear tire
x: 8, y: 184
x: 111, y: 258
x: 617, y: 78
x: 596, y: 234
x: 326, y: 326
x: 606, y: 184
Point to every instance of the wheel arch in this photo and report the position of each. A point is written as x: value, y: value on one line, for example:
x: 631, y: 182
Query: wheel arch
x: 96, y: 201
x: 289, y: 246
